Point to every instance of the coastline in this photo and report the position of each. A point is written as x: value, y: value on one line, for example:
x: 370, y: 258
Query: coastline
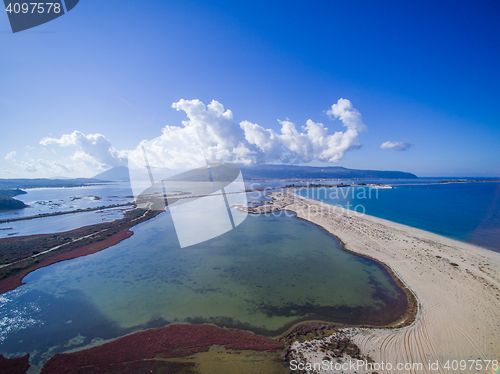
x: 409, y: 316
x: 55, y: 214
x: 453, y: 289
x: 456, y: 285
x: 67, y: 245
x: 12, y: 282
x: 174, y: 349
x: 441, y: 215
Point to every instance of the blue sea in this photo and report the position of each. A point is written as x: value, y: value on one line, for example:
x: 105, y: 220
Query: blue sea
x: 469, y: 212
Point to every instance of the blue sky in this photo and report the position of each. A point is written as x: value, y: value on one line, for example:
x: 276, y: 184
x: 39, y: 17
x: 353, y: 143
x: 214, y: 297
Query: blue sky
x: 423, y: 76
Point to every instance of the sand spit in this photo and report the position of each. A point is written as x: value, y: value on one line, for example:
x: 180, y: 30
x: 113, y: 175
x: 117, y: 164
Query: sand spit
x: 457, y: 287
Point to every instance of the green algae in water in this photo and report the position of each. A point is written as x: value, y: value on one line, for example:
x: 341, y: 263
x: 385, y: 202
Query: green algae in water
x: 268, y: 273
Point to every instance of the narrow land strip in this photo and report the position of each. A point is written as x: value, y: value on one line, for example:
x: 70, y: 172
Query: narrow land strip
x: 21, y: 255
x: 54, y: 214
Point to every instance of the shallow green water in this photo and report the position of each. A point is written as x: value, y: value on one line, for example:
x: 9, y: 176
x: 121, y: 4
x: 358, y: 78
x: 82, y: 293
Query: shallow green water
x: 263, y: 276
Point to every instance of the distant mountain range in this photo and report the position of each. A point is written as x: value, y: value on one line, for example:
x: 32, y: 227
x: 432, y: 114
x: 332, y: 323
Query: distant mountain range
x: 312, y: 172
x: 219, y: 172
x: 274, y: 172
x: 118, y: 173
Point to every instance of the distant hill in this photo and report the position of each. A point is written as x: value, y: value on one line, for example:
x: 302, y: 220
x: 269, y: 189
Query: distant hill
x: 219, y: 173
x: 12, y: 192
x: 311, y: 172
x: 118, y: 173
x: 8, y: 203
x: 259, y: 172
x: 45, y: 183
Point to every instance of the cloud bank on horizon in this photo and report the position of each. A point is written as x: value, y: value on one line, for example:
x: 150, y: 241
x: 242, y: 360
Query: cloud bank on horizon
x: 213, y: 129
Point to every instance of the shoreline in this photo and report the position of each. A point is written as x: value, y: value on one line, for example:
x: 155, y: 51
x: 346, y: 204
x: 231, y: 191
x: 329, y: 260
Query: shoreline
x: 456, y: 286
x: 448, y: 235
x: 63, y: 246
x: 409, y: 316
x: 170, y: 348
x: 445, y: 320
x: 55, y: 214
x: 406, y: 319
x: 12, y: 282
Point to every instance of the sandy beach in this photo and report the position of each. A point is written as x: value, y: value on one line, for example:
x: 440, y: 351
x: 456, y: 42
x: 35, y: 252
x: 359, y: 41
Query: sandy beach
x: 457, y: 287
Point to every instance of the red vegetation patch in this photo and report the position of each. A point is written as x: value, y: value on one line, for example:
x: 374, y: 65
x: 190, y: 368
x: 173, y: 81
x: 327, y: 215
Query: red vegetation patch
x: 14, y: 365
x: 16, y: 280
x: 170, y: 341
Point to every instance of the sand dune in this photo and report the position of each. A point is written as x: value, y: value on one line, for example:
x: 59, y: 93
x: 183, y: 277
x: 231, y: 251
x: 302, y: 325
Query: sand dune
x: 457, y: 286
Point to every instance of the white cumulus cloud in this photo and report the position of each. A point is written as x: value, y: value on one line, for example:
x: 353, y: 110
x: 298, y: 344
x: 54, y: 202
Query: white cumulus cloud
x: 44, y: 167
x: 312, y: 143
x: 220, y: 137
x: 398, y: 146
x: 92, y: 148
x: 212, y: 129
x: 210, y: 134
x: 10, y: 155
